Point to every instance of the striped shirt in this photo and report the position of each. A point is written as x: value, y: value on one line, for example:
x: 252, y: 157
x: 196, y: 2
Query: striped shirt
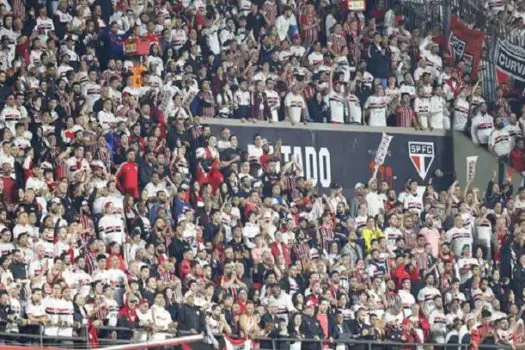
x: 207, y: 108
x: 309, y: 36
x: 405, y: 116
x: 336, y: 42
x: 270, y: 11
x: 327, y: 236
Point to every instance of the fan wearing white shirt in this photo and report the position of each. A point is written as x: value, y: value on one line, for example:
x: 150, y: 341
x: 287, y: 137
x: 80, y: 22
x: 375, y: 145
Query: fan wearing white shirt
x: 59, y: 312
x: 374, y: 200
x: 251, y: 230
x: 295, y: 105
x: 513, y: 129
x: 111, y: 226
x: 376, y: 107
x: 161, y: 318
x: 406, y: 296
x: 464, y: 265
x: 316, y: 58
x: 422, y: 108
x: 91, y: 90
x: 459, y: 236
x: 274, y: 100
x: 153, y: 187
x: 430, y: 52
x: 439, y: 118
x: 105, y: 117
x: 336, y: 100
x: 227, y: 33
x: 11, y: 114
x: 426, y: 295
x: 413, y: 200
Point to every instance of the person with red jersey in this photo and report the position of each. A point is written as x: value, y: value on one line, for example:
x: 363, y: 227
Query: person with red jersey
x: 128, y: 175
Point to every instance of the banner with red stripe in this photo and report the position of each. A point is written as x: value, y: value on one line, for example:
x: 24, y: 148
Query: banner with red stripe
x: 237, y: 344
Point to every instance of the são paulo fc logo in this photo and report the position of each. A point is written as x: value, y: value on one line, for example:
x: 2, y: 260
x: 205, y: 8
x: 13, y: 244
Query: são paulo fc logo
x: 422, y: 155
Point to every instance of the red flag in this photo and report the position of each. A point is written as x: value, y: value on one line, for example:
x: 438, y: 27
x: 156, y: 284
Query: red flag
x: 465, y: 44
x: 92, y: 335
x: 140, y: 46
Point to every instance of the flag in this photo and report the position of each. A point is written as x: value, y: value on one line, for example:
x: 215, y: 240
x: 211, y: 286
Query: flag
x: 471, y: 168
x: 356, y: 5
x: 139, y: 46
x: 510, y: 62
x: 382, y: 149
x: 237, y: 344
x: 92, y: 335
x: 465, y: 44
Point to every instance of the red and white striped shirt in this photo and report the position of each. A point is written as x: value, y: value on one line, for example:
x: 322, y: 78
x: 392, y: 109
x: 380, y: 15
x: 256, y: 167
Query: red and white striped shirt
x: 309, y: 36
x: 336, y: 42
x: 269, y: 9
x: 404, y: 116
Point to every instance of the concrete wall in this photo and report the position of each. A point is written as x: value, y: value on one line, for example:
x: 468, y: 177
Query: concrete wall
x: 487, y: 163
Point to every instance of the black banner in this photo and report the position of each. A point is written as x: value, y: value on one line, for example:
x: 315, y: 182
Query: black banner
x: 347, y: 157
x: 510, y: 59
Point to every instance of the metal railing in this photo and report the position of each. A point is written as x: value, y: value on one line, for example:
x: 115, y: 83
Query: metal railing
x: 277, y: 343
x: 82, y: 342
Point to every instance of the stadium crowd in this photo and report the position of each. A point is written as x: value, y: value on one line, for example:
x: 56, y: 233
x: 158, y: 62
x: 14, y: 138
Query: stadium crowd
x: 120, y: 208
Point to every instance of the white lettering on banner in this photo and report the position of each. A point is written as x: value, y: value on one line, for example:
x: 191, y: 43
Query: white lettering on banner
x: 311, y: 162
x: 315, y: 165
x: 510, y: 59
x: 325, y: 168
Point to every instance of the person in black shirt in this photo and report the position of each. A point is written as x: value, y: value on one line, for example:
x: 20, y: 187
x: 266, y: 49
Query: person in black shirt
x: 214, y: 227
x: 189, y: 317
x: 237, y: 242
x: 178, y: 246
x: 311, y: 328
x: 18, y: 266
x: 255, y: 21
x: 229, y: 156
x: 5, y: 310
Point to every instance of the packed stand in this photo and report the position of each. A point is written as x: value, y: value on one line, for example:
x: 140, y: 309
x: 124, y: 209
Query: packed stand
x: 120, y: 208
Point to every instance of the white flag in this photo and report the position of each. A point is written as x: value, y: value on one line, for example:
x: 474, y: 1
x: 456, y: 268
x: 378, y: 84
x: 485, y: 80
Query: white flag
x: 382, y: 150
x: 237, y: 344
x: 472, y: 162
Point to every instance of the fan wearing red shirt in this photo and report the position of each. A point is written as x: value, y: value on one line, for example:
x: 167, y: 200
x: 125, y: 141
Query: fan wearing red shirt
x: 517, y: 160
x: 128, y: 176
x: 9, y: 184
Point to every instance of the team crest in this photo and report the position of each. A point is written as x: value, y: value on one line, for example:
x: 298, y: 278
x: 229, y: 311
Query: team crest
x: 457, y: 46
x: 422, y: 155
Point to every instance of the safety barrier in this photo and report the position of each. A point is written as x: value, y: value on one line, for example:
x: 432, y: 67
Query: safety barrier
x: 263, y: 343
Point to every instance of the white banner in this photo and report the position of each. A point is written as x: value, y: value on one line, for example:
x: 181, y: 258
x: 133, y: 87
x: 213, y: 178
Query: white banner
x: 382, y: 149
x: 472, y: 162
